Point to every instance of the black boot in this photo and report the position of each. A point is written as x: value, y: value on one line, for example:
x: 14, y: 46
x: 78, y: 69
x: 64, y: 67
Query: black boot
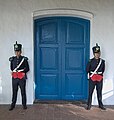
x: 11, y: 108
x: 102, y: 107
x: 88, y: 107
x: 25, y: 107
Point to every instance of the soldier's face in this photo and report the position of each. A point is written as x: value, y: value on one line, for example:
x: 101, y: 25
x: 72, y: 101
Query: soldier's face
x: 97, y: 55
x: 17, y: 53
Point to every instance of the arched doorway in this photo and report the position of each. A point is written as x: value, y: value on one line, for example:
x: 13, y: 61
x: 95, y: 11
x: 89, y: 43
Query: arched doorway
x: 61, y: 54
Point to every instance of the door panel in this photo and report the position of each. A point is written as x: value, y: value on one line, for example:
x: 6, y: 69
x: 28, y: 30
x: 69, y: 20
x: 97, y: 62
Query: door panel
x: 48, y: 33
x: 75, y: 33
x: 47, y: 72
x: 49, y: 85
x: 50, y: 53
x: 61, y: 54
x: 74, y: 58
x: 73, y: 84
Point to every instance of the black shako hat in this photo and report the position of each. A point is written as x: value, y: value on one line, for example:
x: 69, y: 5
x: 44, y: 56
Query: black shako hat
x: 96, y: 49
x: 17, y: 47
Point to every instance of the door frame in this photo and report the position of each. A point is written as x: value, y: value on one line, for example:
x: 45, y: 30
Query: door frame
x: 59, y: 12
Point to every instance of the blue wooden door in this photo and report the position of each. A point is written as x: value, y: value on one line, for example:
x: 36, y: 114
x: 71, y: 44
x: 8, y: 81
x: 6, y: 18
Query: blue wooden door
x: 61, y: 53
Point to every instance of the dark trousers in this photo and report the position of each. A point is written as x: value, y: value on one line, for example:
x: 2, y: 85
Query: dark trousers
x: 99, y: 86
x: 15, y: 84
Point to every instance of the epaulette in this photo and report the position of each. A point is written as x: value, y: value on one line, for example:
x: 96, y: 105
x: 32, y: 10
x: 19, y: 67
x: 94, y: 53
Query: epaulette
x: 26, y: 58
x: 11, y: 58
x: 103, y: 60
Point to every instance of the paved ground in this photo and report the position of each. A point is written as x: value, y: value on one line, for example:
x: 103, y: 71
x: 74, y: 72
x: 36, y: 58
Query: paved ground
x: 57, y: 111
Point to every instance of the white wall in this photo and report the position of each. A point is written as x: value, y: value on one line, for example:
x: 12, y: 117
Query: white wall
x: 16, y: 23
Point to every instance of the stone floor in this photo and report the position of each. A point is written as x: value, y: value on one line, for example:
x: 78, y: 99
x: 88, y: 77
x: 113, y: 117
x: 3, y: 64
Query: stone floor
x: 57, y: 111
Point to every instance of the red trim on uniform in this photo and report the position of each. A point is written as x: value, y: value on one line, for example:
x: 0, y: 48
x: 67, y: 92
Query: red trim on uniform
x: 19, y: 75
x: 96, y: 77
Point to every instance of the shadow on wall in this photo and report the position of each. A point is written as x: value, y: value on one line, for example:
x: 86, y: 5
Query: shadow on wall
x: 0, y: 87
x: 108, y: 89
x: 107, y: 93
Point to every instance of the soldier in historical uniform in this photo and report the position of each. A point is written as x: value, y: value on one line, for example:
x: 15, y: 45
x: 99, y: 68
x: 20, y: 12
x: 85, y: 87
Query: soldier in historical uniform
x: 95, y: 69
x: 19, y: 67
